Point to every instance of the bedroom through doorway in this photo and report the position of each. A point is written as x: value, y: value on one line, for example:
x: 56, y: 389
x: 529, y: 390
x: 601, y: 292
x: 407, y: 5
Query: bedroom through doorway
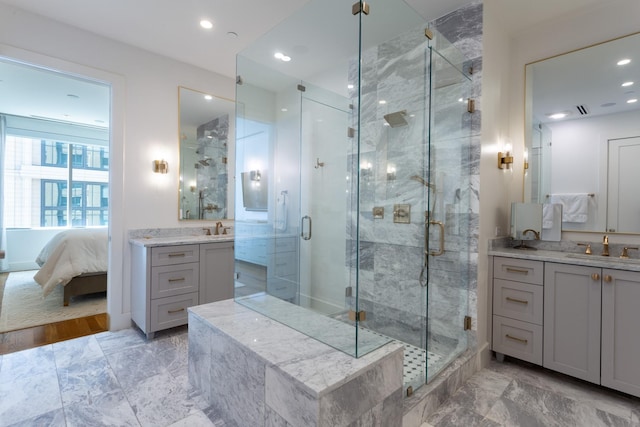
x: 54, y: 188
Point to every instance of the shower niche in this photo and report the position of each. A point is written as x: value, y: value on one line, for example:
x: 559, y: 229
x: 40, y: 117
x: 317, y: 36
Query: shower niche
x: 364, y: 119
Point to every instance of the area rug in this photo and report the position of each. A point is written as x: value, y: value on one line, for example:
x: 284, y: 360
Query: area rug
x: 23, y: 305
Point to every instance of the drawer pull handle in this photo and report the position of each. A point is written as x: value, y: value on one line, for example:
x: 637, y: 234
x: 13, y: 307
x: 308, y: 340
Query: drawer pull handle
x: 182, y: 279
x: 522, y: 340
x: 595, y: 276
x: 175, y: 311
x: 519, y: 301
x: 174, y: 255
x: 608, y: 278
x: 517, y: 270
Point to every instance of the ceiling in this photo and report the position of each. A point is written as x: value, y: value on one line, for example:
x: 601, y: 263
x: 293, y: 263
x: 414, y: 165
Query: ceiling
x: 170, y: 28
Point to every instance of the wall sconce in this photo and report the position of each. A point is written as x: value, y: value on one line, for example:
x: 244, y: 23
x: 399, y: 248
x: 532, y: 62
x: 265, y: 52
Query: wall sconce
x: 255, y: 175
x: 526, y: 159
x: 391, y: 173
x: 505, y: 159
x: 160, y: 166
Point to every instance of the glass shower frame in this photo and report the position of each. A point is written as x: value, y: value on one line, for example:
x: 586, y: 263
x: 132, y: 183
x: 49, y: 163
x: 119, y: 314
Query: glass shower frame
x: 344, y: 251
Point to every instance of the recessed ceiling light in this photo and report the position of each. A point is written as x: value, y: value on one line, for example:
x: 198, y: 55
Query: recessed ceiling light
x: 625, y: 84
x: 632, y: 101
x: 557, y: 116
x: 284, y: 110
x: 282, y: 57
x: 208, y: 97
x: 382, y: 102
x: 206, y: 24
x: 624, y: 61
x: 349, y: 86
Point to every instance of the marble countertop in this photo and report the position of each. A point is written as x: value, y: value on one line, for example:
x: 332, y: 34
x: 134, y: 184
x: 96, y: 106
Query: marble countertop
x: 180, y: 240
x: 594, y: 260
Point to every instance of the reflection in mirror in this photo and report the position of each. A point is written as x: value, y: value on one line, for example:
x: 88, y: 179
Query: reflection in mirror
x: 582, y: 137
x: 205, y: 135
x: 526, y: 223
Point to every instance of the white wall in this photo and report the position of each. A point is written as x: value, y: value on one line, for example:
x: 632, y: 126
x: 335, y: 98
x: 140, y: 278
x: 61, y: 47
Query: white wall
x: 144, y: 124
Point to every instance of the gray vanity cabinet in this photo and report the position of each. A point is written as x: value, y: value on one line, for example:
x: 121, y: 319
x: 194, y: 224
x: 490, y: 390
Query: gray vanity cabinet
x: 167, y: 279
x: 572, y: 301
x: 621, y: 331
x: 216, y: 272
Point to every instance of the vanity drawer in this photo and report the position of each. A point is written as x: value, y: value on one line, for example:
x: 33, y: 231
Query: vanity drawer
x: 519, y: 301
x: 170, y: 280
x: 518, y: 339
x: 171, y: 311
x: 179, y: 254
x: 519, y: 270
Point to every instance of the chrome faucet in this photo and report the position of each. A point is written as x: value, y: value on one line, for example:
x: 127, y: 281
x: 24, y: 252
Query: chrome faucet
x: 535, y: 233
x: 605, y: 245
x: 218, y: 226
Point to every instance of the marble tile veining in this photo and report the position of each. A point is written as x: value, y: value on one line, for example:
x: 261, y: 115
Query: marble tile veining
x: 108, y: 379
x: 519, y: 394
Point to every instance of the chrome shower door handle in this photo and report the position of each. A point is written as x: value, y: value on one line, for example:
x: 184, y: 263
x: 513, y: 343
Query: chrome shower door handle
x: 302, y: 234
x: 440, y: 251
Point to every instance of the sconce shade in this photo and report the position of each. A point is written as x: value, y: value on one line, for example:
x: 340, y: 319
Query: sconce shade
x: 160, y: 166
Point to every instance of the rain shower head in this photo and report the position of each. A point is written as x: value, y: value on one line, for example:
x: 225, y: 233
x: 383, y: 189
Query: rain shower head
x: 396, y: 119
x: 423, y: 182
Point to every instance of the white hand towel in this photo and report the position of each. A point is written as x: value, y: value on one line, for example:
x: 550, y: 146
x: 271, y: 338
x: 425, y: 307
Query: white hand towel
x: 547, y: 216
x: 575, y: 206
x: 280, y: 222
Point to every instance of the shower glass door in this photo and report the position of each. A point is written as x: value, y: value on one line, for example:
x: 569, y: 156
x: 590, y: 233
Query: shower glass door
x: 449, y: 232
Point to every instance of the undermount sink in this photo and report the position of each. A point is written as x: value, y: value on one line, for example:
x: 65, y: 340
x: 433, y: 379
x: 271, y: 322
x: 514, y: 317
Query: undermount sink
x: 604, y: 258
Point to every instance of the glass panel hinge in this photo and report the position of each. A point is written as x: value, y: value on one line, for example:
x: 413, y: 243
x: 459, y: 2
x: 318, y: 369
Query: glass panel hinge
x: 467, y: 323
x: 360, y: 7
x: 471, y: 105
x: 360, y: 316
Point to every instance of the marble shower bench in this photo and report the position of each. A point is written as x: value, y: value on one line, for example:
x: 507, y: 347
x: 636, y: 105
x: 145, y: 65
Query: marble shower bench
x: 258, y: 372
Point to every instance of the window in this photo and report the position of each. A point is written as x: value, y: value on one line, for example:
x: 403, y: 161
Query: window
x: 47, y: 182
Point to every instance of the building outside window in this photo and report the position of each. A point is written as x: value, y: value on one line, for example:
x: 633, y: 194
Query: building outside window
x: 38, y: 175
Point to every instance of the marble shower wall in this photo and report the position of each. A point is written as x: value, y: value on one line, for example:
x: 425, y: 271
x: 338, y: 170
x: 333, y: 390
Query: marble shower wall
x: 211, y: 169
x: 390, y: 258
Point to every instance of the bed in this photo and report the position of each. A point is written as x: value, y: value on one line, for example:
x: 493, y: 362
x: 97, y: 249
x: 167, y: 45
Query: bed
x: 76, y: 259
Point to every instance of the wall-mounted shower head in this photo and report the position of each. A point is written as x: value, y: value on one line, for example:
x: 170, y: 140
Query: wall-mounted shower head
x: 422, y: 181
x: 396, y: 119
x: 205, y: 161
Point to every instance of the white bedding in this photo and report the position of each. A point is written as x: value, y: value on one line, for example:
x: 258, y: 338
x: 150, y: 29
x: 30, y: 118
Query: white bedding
x: 71, y: 253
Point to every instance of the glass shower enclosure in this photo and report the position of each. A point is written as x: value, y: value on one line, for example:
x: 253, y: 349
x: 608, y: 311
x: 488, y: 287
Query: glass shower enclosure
x: 353, y: 126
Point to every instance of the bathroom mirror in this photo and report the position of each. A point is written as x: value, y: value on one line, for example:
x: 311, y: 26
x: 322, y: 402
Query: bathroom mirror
x: 206, y: 133
x: 582, y: 137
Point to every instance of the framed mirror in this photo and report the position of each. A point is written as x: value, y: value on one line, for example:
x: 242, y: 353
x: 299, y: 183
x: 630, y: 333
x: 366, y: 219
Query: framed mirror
x: 205, y: 136
x: 582, y: 135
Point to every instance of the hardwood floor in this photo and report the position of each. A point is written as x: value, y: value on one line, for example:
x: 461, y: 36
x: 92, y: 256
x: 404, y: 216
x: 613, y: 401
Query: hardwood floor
x: 23, y: 339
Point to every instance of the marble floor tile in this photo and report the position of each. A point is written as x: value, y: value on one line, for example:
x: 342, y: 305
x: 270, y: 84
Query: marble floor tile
x: 519, y: 394
x: 120, y: 378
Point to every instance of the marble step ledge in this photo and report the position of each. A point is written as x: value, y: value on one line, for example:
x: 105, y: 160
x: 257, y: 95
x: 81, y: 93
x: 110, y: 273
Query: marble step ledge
x: 257, y: 372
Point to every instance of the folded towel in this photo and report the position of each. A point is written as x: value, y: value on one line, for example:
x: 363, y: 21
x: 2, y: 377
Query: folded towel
x: 547, y: 215
x: 575, y: 206
x: 280, y: 222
